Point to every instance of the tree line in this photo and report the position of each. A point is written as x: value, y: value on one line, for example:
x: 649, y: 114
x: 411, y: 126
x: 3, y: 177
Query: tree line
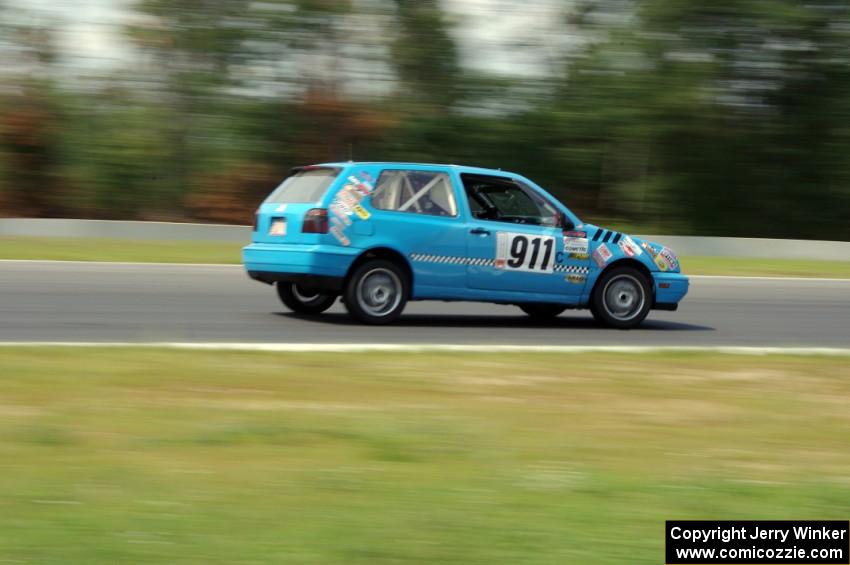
x: 729, y: 117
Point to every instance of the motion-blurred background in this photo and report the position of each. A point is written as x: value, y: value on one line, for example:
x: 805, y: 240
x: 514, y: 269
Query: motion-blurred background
x: 729, y: 117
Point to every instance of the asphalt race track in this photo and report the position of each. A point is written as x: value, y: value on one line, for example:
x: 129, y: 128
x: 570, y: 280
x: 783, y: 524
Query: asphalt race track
x: 109, y: 302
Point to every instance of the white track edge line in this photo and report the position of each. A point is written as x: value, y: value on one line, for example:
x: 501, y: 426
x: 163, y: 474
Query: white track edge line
x: 393, y: 347
x: 744, y: 277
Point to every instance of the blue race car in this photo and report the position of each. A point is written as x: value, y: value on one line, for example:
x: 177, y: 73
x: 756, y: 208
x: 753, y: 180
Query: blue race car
x: 380, y: 234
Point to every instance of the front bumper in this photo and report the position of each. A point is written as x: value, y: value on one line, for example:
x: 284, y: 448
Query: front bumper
x: 670, y: 289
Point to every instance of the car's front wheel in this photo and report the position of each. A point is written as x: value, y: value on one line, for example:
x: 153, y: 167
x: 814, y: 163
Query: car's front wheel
x: 542, y: 311
x: 302, y: 300
x: 377, y: 292
x: 621, y: 298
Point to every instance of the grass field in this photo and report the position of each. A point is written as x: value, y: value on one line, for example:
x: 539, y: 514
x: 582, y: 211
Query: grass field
x: 135, y: 456
x: 83, y: 249
x: 98, y: 249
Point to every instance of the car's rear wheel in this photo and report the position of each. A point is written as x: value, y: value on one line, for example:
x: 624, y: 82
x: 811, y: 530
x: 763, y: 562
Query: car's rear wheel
x: 304, y: 301
x: 542, y: 311
x: 377, y: 292
x: 621, y: 298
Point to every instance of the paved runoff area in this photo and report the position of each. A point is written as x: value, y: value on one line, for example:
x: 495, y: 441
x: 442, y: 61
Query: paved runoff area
x: 43, y: 301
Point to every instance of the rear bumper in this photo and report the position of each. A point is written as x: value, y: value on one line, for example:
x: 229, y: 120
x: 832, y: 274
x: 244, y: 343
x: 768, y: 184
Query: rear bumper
x: 268, y: 262
x: 670, y: 289
x: 313, y: 282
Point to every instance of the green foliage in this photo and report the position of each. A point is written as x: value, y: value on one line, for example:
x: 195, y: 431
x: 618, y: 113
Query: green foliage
x: 721, y: 118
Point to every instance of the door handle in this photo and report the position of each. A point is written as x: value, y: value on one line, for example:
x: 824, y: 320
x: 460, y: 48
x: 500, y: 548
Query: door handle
x: 479, y: 231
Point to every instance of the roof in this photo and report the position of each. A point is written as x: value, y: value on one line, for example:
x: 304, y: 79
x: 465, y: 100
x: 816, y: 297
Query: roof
x: 466, y: 168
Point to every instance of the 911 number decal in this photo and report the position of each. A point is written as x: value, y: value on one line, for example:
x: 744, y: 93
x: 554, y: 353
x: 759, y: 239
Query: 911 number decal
x: 524, y: 252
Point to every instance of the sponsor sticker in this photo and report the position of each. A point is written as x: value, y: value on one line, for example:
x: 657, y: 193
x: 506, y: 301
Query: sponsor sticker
x: 338, y: 213
x: 669, y: 258
x: 349, y: 197
x: 629, y: 247
x: 363, y: 187
x: 575, y: 244
x: 601, y: 255
x: 579, y: 256
x: 576, y: 279
x: 574, y: 233
x: 361, y: 212
x: 335, y: 231
x: 662, y: 264
x: 649, y: 248
x: 343, y: 207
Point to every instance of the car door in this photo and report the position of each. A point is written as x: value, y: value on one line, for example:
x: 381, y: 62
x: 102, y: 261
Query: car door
x: 415, y: 211
x: 516, y: 240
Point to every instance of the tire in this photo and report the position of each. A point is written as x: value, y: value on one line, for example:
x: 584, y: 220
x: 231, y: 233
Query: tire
x: 377, y: 292
x: 542, y: 311
x: 621, y: 298
x: 304, y: 301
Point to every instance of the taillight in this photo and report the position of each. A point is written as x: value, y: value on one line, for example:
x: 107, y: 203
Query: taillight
x: 315, y: 221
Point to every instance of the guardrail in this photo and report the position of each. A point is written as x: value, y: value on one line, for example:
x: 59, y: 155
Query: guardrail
x: 112, y: 229
x: 683, y: 245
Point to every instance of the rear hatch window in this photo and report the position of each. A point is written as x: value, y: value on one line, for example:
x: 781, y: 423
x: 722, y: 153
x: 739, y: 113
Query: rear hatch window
x: 305, y: 186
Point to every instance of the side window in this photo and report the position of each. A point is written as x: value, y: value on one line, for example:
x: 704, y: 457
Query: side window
x: 505, y: 200
x: 420, y: 192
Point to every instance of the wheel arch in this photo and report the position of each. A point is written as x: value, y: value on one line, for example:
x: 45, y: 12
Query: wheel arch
x: 385, y: 253
x: 626, y: 262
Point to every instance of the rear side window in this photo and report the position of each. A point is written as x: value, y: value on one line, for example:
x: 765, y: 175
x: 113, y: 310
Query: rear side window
x: 305, y: 186
x: 420, y: 192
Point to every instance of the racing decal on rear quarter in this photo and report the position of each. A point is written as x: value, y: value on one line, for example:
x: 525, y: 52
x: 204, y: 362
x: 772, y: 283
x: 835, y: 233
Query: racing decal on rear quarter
x: 601, y: 255
x: 337, y: 233
x: 347, y: 202
x: 576, y: 279
x: 525, y: 252
x: 349, y: 196
x: 361, y: 212
x: 338, y: 213
x: 364, y: 187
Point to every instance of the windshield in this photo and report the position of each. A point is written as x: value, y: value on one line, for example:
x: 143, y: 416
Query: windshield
x: 305, y: 186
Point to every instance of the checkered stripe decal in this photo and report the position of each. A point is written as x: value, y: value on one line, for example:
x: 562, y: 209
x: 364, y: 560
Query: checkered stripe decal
x: 450, y: 260
x: 571, y: 269
x: 481, y: 262
x: 444, y: 259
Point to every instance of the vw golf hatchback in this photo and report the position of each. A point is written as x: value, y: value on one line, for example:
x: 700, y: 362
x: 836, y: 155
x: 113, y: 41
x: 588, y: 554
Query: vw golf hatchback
x: 381, y: 234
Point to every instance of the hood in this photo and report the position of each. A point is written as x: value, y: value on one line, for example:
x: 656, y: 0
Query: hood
x: 617, y: 245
